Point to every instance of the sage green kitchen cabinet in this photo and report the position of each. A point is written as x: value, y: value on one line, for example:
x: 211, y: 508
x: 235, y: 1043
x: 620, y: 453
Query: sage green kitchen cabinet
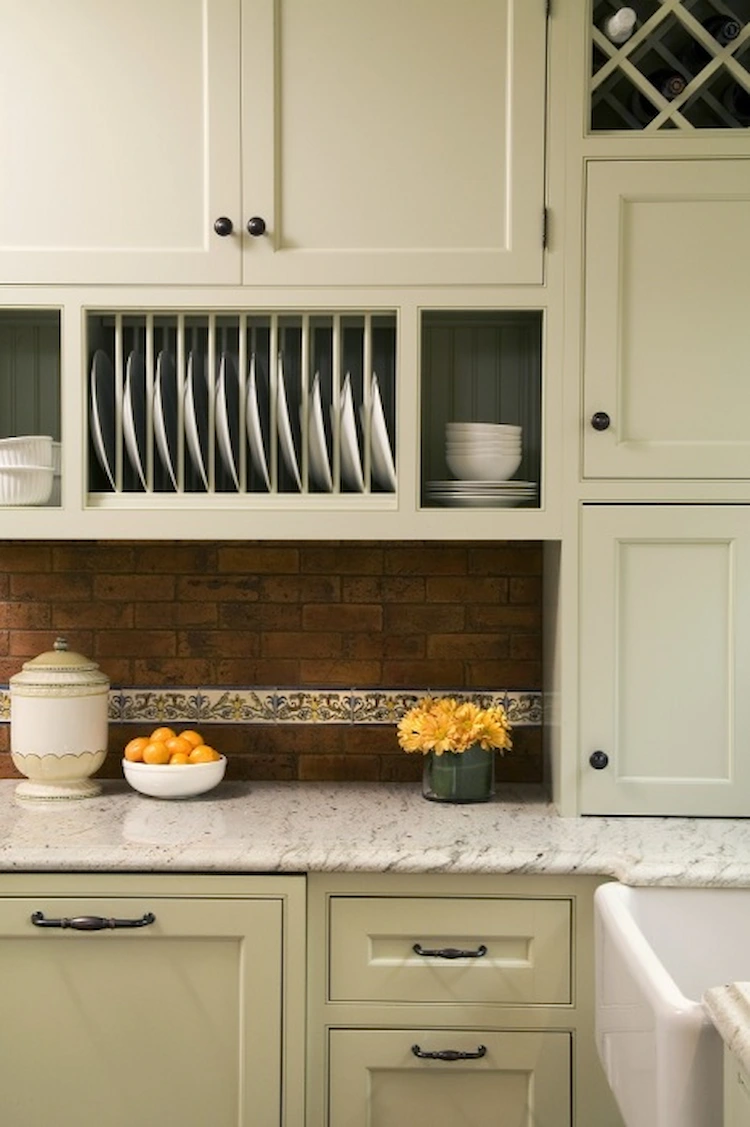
x: 460, y: 1000
x: 193, y: 1017
x: 666, y: 393
x: 220, y: 141
x: 665, y: 659
x: 736, y: 1092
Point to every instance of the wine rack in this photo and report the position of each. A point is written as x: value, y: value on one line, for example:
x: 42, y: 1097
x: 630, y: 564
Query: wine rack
x: 684, y: 65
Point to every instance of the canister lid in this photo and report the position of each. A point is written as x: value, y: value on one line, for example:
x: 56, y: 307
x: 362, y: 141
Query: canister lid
x: 62, y: 666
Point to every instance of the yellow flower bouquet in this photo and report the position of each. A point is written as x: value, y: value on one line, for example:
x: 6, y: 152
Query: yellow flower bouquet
x: 459, y: 741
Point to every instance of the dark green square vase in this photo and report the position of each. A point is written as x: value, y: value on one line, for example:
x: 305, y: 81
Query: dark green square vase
x: 459, y: 776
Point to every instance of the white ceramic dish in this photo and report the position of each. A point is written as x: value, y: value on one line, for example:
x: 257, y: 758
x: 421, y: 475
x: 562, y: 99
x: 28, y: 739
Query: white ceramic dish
x: 383, y: 465
x: 102, y: 412
x: 320, y: 465
x: 165, y: 413
x: 254, y: 428
x: 196, y: 415
x: 134, y: 414
x: 25, y: 485
x: 351, y: 462
x: 485, y: 429
x: 174, y: 780
x: 27, y: 450
x: 228, y: 416
x: 286, y: 440
x: 483, y: 466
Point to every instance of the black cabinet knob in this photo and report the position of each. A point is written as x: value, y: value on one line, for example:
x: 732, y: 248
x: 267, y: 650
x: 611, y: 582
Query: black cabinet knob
x: 600, y: 420
x: 598, y: 760
x: 256, y: 226
x: 223, y: 226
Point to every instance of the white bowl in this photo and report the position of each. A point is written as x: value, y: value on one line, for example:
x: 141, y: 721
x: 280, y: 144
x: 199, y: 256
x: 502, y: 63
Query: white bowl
x: 179, y: 780
x: 485, y: 429
x: 489, y: 444
x: 25, y: 485
x: 483, y: 467
x: 26, y: 450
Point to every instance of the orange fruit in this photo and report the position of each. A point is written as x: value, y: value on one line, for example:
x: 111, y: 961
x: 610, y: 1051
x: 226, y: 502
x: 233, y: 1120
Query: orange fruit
x: 179, y: 758
x: 204, y: 754
x: 194, y: 738
x: 156, y: 751
x: 162, y: 734
x: 134, y: 749
x: 178, y: 746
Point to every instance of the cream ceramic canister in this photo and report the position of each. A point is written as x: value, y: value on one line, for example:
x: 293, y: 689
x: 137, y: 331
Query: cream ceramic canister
x: 59, y: 706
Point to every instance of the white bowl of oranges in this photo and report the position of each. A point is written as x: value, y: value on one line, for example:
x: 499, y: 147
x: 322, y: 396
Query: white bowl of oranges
x: 170, y: 764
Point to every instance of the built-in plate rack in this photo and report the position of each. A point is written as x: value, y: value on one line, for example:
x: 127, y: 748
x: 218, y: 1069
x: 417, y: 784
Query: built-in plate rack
x: 229, y: 404
x: 685, y: 65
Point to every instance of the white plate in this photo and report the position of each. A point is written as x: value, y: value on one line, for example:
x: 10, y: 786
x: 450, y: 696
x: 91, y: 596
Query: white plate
x: 165, y: 413
x: 383, y: 466
x: 228, y: 416
x: 286, y: 441
x: 254, y: 428
x: 196, y: 414
x: 351, y: 463
x: 134, y: 413
x: 320, y: 465
x: 103, y: 412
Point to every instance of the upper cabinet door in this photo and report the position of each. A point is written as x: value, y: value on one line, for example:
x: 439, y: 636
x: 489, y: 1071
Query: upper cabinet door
x: 667, y: 328
x: 119, y: 140
x: 394, y: 142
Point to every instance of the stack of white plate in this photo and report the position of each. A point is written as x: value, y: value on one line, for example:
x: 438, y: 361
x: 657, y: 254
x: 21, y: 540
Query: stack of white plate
x: 479, y: 494
x: 482, y: 451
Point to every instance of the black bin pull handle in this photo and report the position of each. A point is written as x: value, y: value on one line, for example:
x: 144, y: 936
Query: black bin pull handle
x: 449, y: 952
x: 91, y: 923
x: 449, y: 1054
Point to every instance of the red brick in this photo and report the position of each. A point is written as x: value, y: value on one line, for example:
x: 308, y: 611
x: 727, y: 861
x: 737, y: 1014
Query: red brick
x: 425, y: 674
x: 217, y: 589
x: 95, y: 615
x: 27, y: 616
x: 99, y: 557
x: 17, y: 556
x: 218, y: 643
x: 501, y: 675
x: 134, y: 588
x: 526, y: 590
x: 331, y: 768
x: 466, y: 590
x: 256, y: 559
x: 260, y: 616
x: 30, y: 643
x: 342, y: 560
x: 259, y: 671
x: 301, y: 645
x: 340, y: 673
x: 423, y: 619
x: 382, y: 589
x: 433, y: 559
x: 156, y: 615
x: 526, y: 647
x: 507, y: 559
x: 300, y: 589
x: 465, y: 646
x: 172, y: 671
x: 135, y: 643
x: 175, y: 559
x: 4, y: 643
x: 48, y: 587
x: 347, y: 618
x: 362, y: 646
x: 503, y: 617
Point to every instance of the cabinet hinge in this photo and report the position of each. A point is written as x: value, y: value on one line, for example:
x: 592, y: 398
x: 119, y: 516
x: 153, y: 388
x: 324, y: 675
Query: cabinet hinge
x: 545, y: 227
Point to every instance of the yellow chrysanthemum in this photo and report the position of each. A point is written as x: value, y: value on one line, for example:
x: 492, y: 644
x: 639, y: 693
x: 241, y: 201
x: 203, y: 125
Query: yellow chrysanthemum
x: 445, y: 725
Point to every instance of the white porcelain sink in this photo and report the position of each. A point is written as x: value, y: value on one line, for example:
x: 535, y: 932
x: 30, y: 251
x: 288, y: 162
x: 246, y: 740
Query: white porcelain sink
x: 657, y: 951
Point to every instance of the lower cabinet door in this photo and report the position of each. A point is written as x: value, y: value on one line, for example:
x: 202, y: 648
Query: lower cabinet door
x: 175, y: 1021
x: 736, y: 1092
x: 392, y: 1078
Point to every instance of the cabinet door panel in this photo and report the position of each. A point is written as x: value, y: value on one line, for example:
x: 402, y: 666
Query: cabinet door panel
x: 179, y: 1022
x: 665, y: 659
x: 408, y: 140
x: 377, y: 1081
x: 667, y: 332
x: 122, y: 146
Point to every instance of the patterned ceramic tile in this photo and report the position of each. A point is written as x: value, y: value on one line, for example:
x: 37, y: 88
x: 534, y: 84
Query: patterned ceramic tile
x: 293, y: 705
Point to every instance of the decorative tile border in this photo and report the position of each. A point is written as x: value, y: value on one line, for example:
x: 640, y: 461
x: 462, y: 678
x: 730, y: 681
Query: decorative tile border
x: 294, y: 705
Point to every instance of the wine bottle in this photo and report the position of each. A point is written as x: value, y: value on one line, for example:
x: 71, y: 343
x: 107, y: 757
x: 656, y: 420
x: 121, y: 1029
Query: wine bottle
x: 723, y: 29
x: 620, y: 25
x: 737, y: 101
x: 669, y: 83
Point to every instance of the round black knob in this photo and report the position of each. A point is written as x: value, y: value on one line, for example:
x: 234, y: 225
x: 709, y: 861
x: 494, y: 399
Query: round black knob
x: 598, y: 760
x: 600, y: 420
x: 223, y: 226
x: 256, y: 226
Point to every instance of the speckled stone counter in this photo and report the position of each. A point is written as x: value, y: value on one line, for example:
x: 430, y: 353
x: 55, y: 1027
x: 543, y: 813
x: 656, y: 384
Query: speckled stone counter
x: 729, y: 1007
x: 307, y: 827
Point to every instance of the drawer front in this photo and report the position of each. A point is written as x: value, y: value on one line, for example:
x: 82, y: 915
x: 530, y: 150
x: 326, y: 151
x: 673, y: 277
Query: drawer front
x: 513, y: 951
x: 395, y: 1078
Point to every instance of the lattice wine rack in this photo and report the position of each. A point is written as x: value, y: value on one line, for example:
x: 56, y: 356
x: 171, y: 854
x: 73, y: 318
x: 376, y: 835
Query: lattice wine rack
x: 670, y: 64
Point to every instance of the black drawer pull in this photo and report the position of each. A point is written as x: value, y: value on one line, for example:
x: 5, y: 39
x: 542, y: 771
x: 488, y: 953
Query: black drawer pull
x: 91, y: 923
x: 449, y: 1054
x: 449, y: 952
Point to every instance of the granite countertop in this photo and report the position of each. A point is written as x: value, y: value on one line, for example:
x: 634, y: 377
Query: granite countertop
x: 729, y: 1009
x: 304, y: 827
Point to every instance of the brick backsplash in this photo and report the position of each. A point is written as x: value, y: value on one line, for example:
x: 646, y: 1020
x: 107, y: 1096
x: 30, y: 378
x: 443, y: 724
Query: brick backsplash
x: 417, y: 615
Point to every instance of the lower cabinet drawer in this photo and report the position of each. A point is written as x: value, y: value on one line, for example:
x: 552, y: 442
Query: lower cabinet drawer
x: 387, y: 1078
x: 510, y: 951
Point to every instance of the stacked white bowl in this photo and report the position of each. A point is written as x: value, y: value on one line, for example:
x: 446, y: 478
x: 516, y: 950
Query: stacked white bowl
x: 26, y: 469
x: 483, y: 451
